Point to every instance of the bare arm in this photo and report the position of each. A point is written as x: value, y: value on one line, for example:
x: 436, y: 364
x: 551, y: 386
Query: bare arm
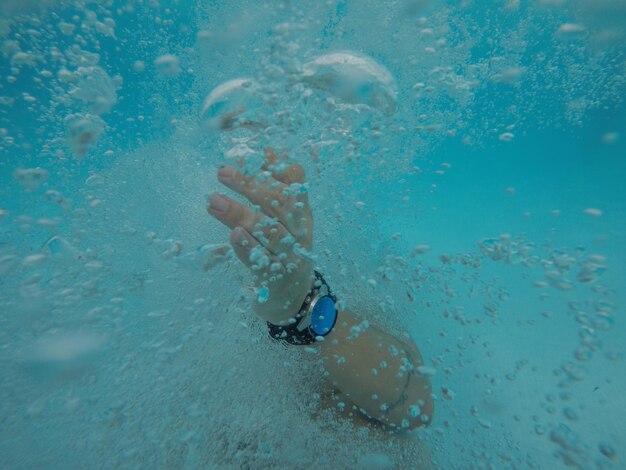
x: 378, y: 372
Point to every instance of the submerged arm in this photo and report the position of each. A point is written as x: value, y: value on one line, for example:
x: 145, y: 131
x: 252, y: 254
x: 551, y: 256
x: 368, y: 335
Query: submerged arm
x: 378, y: 372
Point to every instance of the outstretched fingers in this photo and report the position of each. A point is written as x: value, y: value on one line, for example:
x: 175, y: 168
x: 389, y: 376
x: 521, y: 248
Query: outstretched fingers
x: 257, y: 228
x: 278, y: 194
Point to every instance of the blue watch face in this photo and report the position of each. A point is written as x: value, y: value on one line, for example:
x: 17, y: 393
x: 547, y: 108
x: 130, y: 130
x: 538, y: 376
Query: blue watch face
x: 323, y: 316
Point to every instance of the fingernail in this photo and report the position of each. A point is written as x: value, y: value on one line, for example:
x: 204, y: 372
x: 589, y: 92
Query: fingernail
x: 218, y: 203
x: 226, y: 172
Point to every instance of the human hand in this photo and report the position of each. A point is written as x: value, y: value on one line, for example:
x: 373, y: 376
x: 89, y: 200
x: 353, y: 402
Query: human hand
x: 272, y: 239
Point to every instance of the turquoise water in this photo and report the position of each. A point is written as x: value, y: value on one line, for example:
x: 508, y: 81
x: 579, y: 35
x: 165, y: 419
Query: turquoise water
x: 465, y: 162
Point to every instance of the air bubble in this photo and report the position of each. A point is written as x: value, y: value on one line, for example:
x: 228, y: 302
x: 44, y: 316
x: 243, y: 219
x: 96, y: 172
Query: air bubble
x: 95, y: 88
x: 167, y: 65
x: 607, y: 450
x: 353, y: 78
x: 506, y: 137
x: 592, y: 211
x: 570, y: 30
x: 31, y: 178
x: 420, y: 249
x: 60, y: 248
x: 570, y: 413
x: 23, y: 58
x: 447, y: 393
x: 427, y: 371
x: 66, y: 76
x: 62, y: 354
x: 232, y: 104
x: 610, y: 138
x: 263, y: 294
x: 66, y: 28
x: 83, y: 131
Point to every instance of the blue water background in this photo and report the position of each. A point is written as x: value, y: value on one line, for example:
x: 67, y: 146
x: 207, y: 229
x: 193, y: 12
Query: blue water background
x: 148, y: 398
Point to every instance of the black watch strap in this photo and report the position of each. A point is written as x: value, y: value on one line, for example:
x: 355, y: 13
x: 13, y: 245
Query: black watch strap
x: 291, y: 333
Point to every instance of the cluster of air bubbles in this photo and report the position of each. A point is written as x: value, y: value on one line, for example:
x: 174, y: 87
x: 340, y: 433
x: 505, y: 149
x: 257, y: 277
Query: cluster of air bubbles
x: 604, y: 21
x: 559, y: 265
x: 560, y: 268
x: 593, y: 318
x: 505, y: 248
x: 565, y: 270
x: 352, y: 79
x: 94, y: 87
x: 95, y: 93
x: 339, y: 93
x: 63, y: 54
x: 202, y: 258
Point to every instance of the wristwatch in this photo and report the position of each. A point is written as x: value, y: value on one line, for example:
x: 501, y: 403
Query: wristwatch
x: 315, y: 319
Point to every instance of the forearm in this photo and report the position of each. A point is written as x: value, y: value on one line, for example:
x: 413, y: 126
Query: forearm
x: 378, y: 372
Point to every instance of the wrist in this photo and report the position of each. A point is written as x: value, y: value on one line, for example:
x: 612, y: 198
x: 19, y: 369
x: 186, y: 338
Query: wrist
x: 314, y: 320
x: 286, y: 297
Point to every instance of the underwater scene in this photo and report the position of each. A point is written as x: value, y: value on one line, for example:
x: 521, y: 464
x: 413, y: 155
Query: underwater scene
x: 292, y: 234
